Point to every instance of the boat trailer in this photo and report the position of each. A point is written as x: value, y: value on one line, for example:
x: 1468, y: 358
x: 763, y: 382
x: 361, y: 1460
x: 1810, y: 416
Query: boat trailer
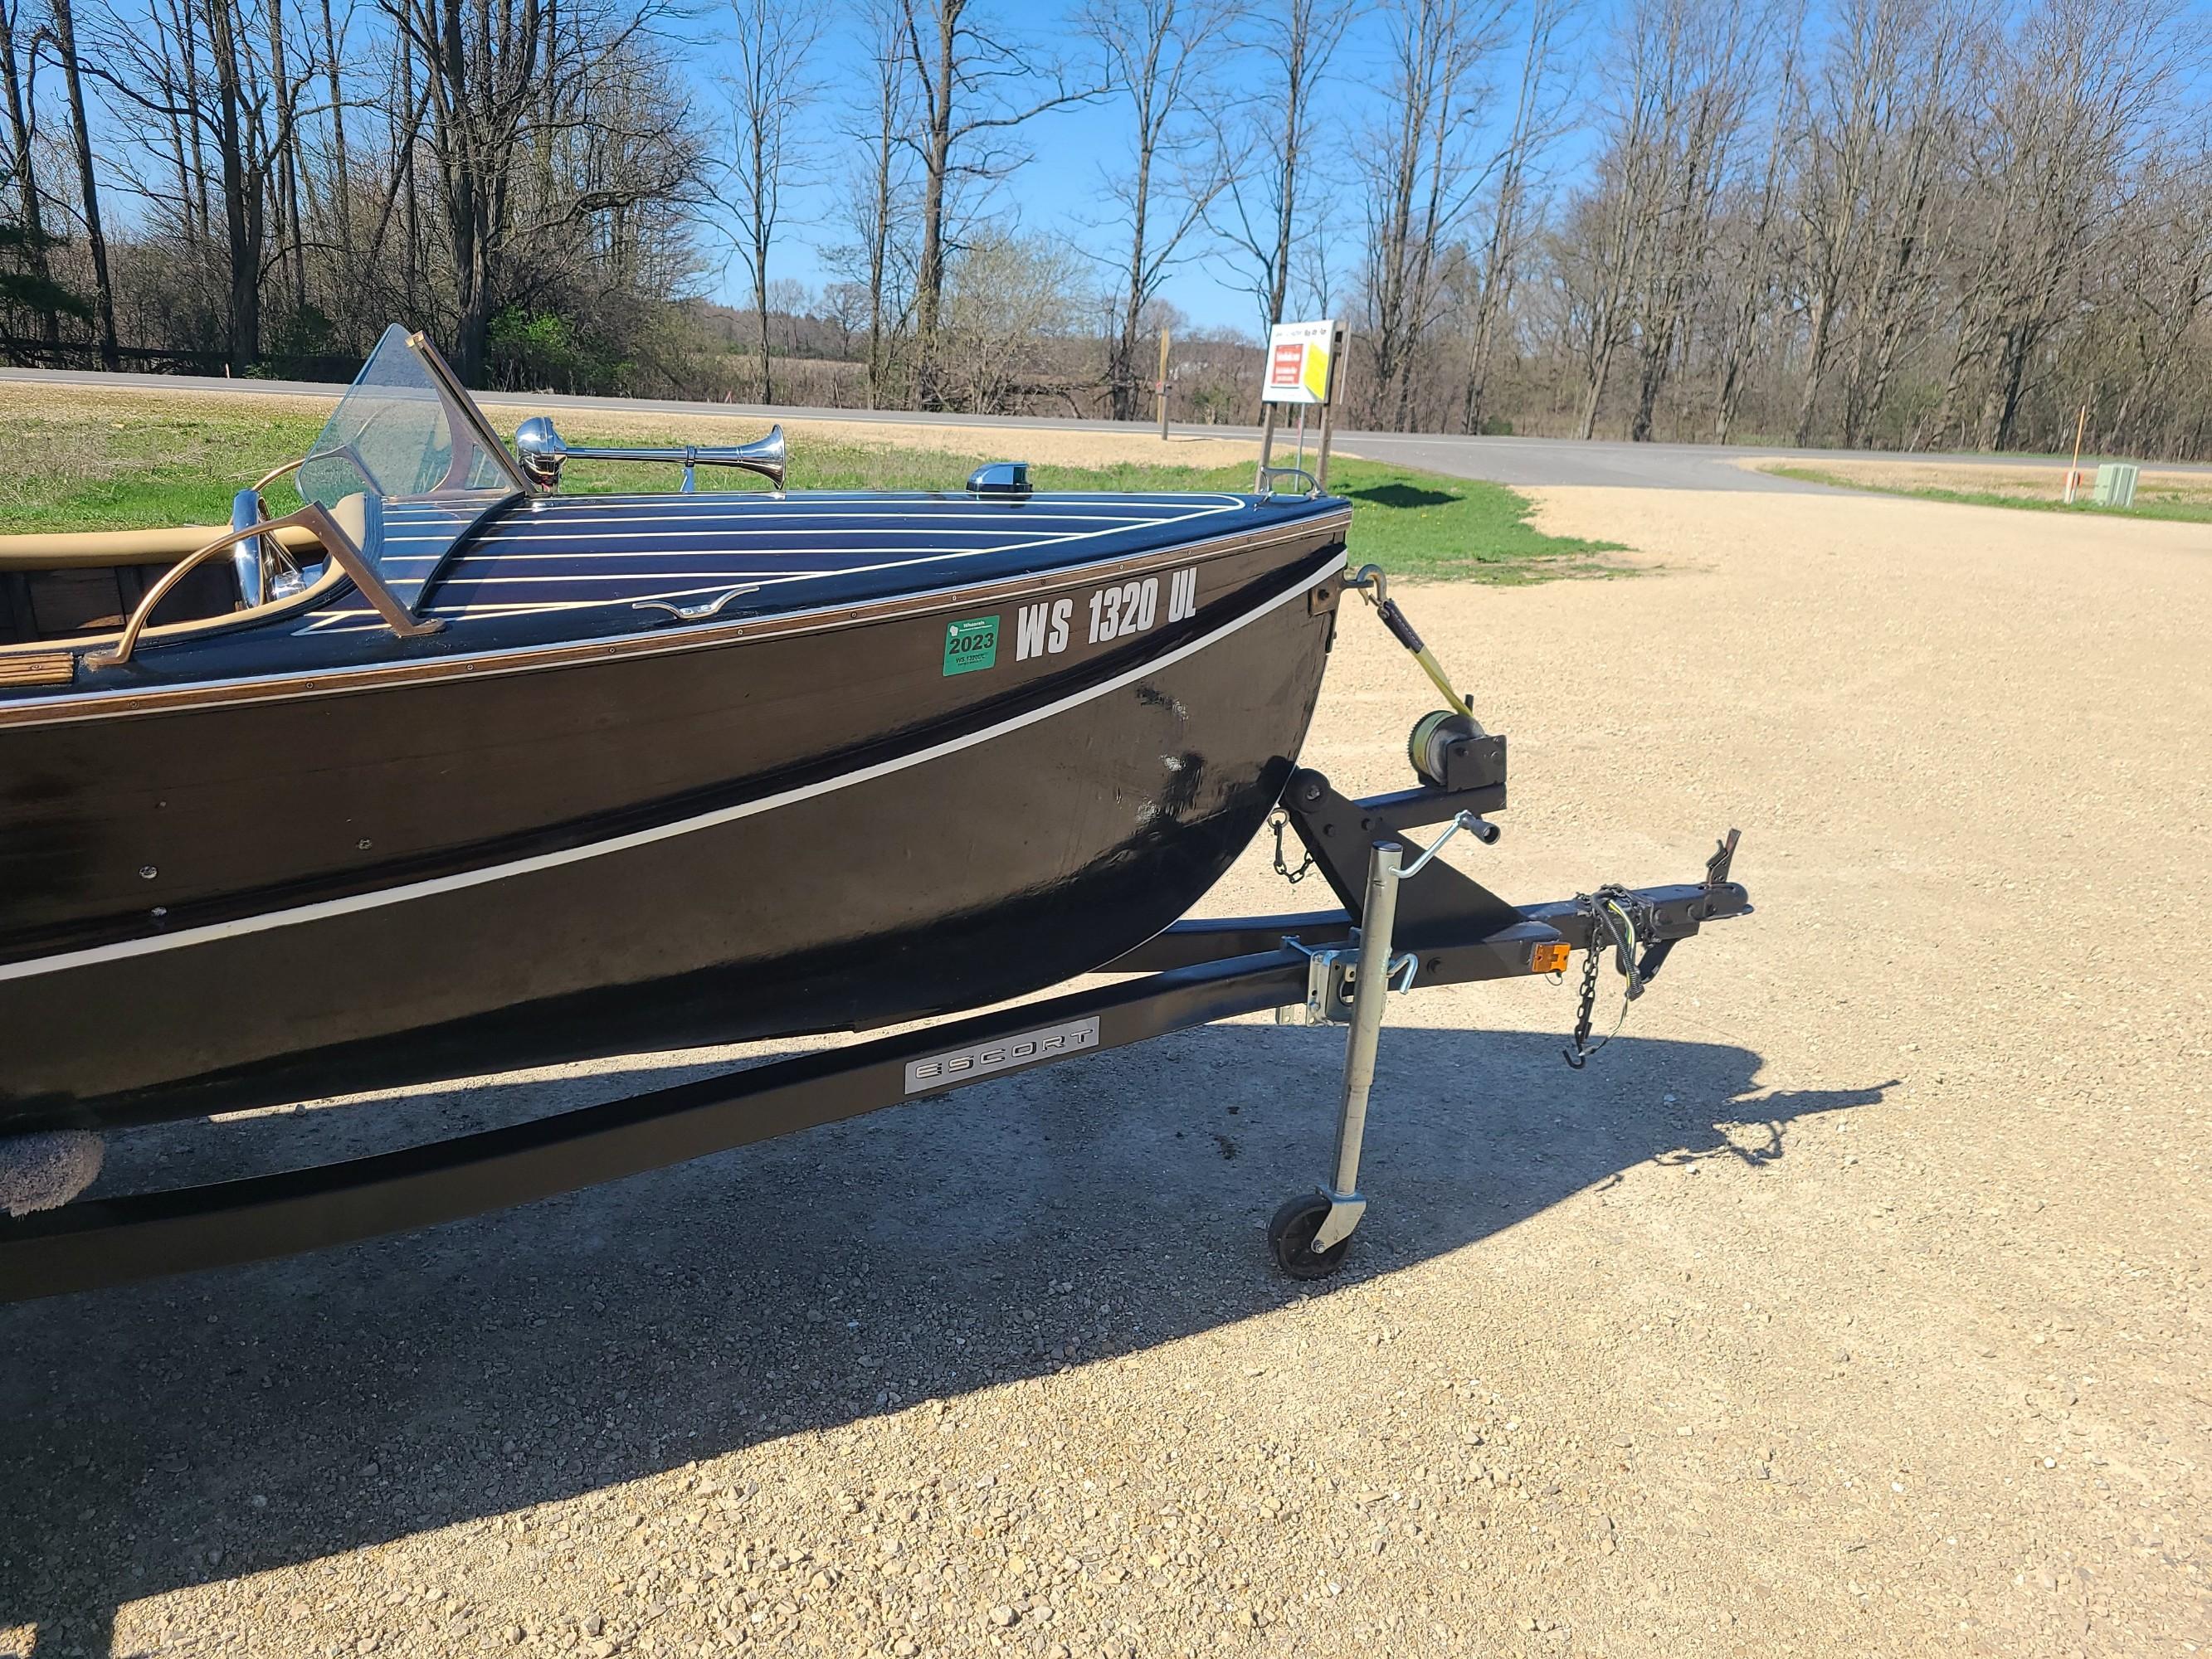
x: 1407, y: 919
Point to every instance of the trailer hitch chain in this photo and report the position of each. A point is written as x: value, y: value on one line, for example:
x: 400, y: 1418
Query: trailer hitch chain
x: 1613, y: 912
x: 1278, y: 821
x: 1618, y: 918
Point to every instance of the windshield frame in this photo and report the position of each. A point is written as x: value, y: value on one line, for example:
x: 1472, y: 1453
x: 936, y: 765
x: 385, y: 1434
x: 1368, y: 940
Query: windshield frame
x: 468, y: 440
x: 461, y: 409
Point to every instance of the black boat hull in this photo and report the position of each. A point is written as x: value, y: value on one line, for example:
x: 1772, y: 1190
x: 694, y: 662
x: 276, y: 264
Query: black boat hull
x: 659, y: 850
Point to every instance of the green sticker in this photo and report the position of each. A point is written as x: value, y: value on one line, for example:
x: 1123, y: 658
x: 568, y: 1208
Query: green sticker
x: 971, y: 645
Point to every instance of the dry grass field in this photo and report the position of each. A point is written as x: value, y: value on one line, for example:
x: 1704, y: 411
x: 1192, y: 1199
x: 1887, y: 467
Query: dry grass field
x: 146, y: 432
x: 1853, y: 1303
x: 1051, y: 446
x: 2173, y: 493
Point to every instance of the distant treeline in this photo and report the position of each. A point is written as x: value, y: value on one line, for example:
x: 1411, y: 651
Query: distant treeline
x: 1901, y: 223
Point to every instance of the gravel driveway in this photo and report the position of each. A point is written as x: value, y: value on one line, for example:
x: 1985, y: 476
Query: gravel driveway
x: 1853, y: 1301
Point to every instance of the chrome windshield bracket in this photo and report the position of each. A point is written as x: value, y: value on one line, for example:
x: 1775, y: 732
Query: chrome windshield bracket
x: 316, y: 520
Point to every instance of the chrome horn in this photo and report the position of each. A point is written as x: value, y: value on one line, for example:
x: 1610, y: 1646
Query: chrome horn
x: 542, y: 452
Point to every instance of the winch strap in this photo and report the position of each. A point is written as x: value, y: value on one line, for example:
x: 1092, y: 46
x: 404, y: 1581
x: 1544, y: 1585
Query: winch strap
x: 1371, y: 582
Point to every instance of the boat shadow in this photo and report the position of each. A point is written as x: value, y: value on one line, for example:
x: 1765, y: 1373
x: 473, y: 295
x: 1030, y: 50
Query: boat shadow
x: 233, y: 1422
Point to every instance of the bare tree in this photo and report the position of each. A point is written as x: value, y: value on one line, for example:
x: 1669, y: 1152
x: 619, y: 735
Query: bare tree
x: 1160, y: 54
x: 1259, y: 211
x: 95, y: 238
x: 1925, y: 221
x: 975, y: 85
x: 1904, y: 222
x: 1750, y: 258
x: 1007, y: 299
x: 339, y: 194
x: 769, y: 87
x: 1604, y: 242
x: 1855, y: 105
x: 1420, y: 178
x: 1718, y: 50
x: 494, y: 94
x: 34, y: 289
x: 877, y: 190
x: 2162, y: 289
x: 1495, y: 265
x: 2080, y: 99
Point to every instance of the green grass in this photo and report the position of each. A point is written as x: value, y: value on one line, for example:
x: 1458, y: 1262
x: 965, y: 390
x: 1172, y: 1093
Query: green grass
x: 113, y: 465
x: 2194, y: 512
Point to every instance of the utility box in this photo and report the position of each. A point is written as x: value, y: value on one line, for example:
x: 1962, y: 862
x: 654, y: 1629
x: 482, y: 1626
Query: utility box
x: 2116, y: 483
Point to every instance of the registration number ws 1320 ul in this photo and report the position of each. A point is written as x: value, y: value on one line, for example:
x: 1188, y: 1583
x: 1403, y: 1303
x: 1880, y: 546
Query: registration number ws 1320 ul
x: 1114, y: 612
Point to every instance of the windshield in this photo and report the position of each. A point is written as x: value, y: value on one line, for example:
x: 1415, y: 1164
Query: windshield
x: 397, y: 430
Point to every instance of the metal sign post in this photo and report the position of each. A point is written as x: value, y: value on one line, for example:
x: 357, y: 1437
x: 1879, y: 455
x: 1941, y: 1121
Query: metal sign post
x: 1336, y: 342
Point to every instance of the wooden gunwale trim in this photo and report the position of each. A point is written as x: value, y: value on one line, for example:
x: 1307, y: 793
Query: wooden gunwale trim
x: 38, y: 668
x: 100, y: 705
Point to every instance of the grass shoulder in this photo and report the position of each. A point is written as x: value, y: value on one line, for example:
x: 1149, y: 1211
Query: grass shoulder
x: 107, y: 461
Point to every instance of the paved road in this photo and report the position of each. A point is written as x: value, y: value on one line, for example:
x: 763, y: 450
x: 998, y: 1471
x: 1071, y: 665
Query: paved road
x: 1529, y: 461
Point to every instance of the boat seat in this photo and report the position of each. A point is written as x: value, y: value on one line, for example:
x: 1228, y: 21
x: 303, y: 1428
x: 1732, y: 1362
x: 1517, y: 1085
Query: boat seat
x: 104, y: 550
x: 68, y: 584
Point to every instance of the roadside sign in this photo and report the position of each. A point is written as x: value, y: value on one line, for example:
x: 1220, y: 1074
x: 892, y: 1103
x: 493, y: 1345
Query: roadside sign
x: 1298, y: 363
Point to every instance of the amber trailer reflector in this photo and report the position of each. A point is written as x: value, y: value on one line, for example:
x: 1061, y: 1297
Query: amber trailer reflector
x: 1550, y: 958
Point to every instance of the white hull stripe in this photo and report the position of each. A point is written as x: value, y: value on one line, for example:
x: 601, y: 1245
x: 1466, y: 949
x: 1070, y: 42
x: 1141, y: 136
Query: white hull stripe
x: 416, y: 890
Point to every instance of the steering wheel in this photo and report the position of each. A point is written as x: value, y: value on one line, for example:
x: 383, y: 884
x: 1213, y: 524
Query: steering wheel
x: 246, y: 557
x: 249, y: 560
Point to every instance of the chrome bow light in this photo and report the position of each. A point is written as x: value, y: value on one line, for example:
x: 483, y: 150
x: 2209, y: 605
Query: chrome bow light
x: 1005, y: 478
x: 542, y: 453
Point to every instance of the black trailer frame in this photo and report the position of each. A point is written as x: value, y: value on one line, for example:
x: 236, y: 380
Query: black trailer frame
x: 1403, y: 923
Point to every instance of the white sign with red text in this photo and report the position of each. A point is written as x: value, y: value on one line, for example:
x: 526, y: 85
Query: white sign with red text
x: 1298, y: 363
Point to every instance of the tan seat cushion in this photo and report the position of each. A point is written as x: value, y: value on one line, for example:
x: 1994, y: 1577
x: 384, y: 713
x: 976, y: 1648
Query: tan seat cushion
x: 96, y: 548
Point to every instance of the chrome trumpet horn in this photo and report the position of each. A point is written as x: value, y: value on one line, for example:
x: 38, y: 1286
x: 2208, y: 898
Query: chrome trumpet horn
x: 542, y: 452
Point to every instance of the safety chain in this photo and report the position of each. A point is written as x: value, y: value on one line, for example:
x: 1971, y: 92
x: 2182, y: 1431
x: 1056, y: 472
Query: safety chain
x: 1578, y: 1056
x: 1278, y: 821
x: 1613, y: 912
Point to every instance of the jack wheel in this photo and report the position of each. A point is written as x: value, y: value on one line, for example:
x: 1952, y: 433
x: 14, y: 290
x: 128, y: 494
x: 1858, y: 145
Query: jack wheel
x: 1291, y: 1232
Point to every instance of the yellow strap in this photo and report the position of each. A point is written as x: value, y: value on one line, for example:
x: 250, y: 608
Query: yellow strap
x: 1435, y: 671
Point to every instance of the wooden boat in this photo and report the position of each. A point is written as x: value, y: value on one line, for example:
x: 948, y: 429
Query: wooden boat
x: 446, y: 771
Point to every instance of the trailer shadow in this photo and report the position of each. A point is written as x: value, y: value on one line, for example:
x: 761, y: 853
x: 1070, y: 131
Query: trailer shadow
x: 169, y: 1434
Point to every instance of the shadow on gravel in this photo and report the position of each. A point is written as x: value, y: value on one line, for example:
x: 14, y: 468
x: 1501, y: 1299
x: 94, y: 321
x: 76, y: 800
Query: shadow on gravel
x: 236, y: 1421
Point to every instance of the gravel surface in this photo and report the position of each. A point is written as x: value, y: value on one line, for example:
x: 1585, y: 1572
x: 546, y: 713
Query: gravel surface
x: 1853, y: 1301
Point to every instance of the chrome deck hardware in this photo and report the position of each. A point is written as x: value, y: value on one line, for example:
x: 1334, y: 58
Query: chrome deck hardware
x: 543, y: 453
x: 700, y: 610
x: 1002, y: 478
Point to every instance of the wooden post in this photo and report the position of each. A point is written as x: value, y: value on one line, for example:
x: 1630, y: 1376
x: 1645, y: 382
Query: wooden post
x: 1164, y: 382
x: 2074, y: 472
x: 1267, y: 445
